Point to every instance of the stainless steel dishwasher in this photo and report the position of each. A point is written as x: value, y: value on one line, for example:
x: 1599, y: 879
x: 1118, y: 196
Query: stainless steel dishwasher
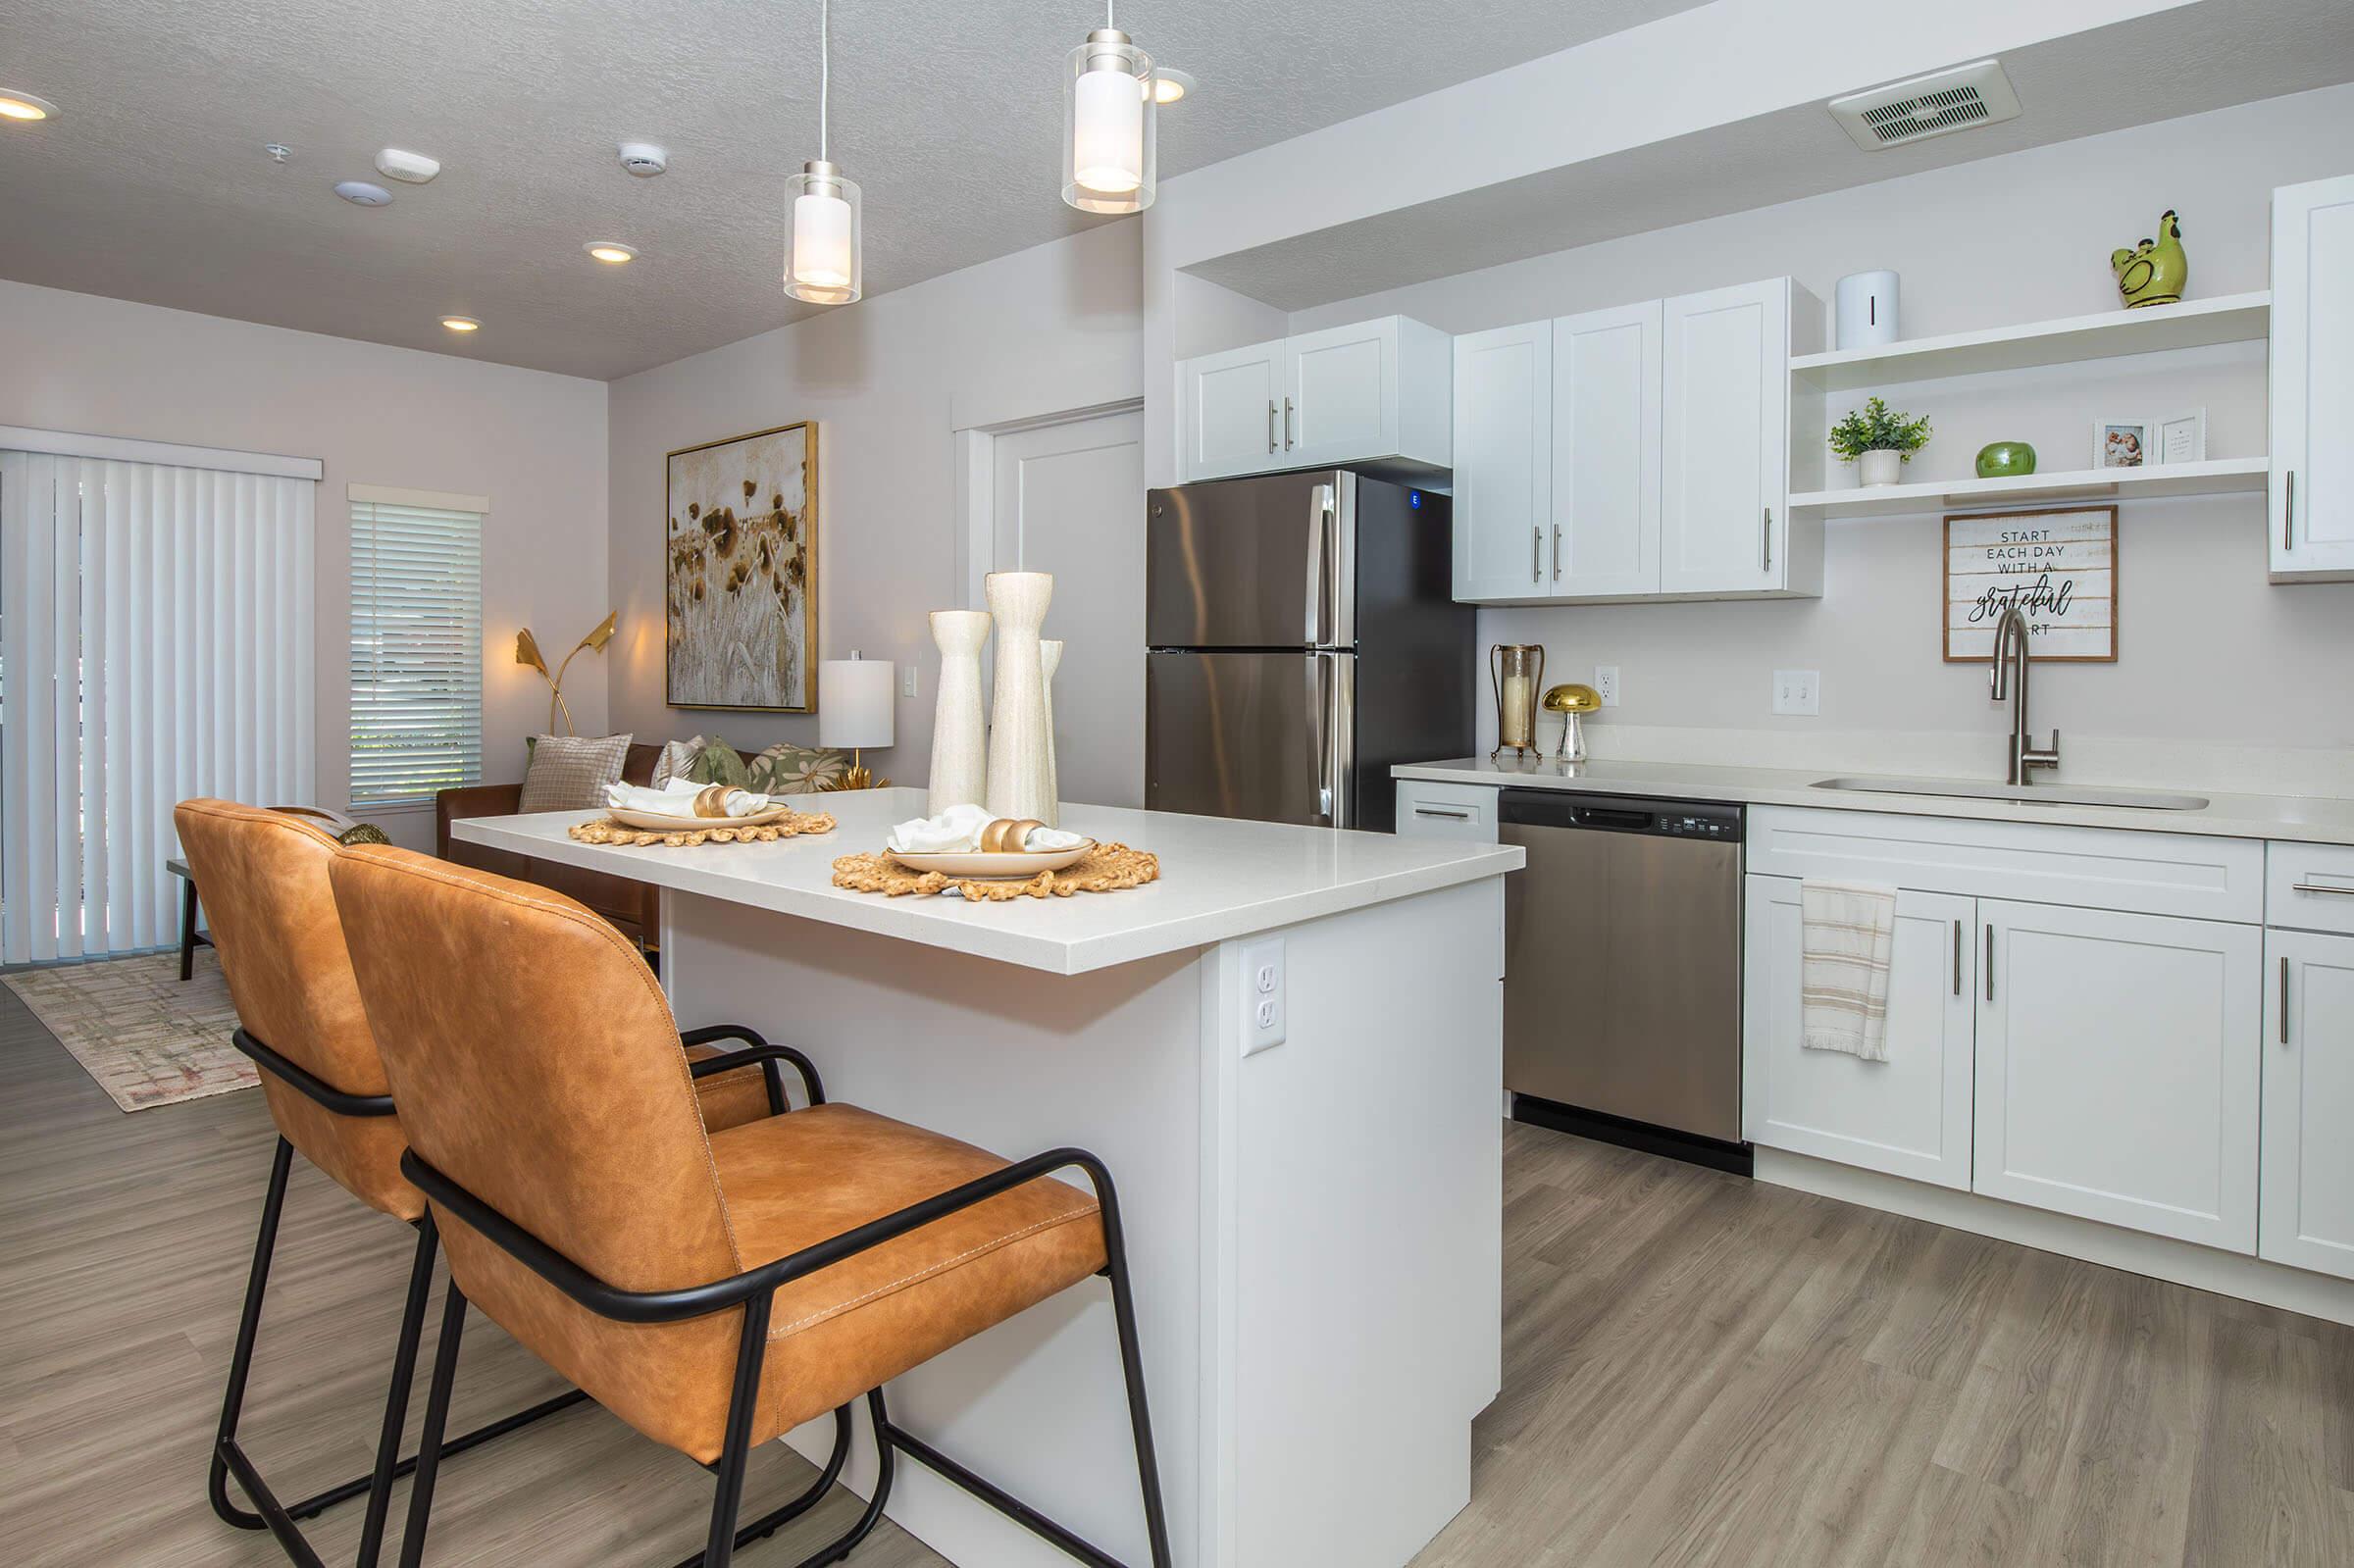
x: 1622, y: 970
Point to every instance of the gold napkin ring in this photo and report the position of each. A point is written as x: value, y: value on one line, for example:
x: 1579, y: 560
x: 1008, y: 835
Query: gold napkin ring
x: 711, y: 801
x: 1007, y: 834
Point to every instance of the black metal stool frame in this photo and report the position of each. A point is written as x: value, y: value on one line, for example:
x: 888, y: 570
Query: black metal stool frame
x: 753, y: 1292
x: 228, y: 1455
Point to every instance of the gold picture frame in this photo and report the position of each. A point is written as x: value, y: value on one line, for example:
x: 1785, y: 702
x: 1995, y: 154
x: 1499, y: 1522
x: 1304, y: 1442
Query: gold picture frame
x: 740, y: 583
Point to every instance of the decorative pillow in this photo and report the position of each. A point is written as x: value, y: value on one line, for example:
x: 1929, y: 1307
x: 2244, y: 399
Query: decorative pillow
x: 569, y: 773
x: 781, y: 770
x: 676, y: 757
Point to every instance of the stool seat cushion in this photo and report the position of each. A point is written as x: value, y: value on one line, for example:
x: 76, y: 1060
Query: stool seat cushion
x: 790, y: 1181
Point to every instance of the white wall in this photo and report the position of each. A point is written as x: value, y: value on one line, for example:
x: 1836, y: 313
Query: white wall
x: 888, y: 381
x: 2210, y: 654
x: 532, y: 442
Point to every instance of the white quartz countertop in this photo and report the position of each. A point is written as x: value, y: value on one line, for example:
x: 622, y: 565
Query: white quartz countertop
x: 2300, y: 819
x: 1218, y: 879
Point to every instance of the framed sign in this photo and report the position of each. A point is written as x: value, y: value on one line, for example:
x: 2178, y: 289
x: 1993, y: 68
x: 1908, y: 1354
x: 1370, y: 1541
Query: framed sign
x: 740, y: 572
x: 2059, y: 566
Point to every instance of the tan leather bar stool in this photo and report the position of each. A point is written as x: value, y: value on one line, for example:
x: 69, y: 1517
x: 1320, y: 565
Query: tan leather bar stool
x: 731, y: 1285
x: 284, y: 953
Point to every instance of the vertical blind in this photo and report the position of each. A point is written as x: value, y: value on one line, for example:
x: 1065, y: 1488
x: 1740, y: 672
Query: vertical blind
x: 156, y: 642
x: 416, y: 651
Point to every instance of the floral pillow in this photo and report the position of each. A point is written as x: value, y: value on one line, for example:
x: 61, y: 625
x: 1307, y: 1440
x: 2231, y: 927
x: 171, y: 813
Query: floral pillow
x: 781, y: 770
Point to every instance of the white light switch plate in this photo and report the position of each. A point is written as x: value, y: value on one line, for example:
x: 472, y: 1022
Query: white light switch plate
x: 1606, y: 684
x: 1264, y: 1022
x: 907, y: 682
x: 1798, y: 692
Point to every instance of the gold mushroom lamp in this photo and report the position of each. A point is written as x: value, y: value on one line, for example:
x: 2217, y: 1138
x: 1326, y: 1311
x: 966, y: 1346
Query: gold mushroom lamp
x: 1571, y: 700
x: 526, y: 652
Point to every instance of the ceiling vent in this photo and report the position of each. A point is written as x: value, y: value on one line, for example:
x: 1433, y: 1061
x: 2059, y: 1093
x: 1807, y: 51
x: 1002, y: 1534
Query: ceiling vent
x: 1935, y: 105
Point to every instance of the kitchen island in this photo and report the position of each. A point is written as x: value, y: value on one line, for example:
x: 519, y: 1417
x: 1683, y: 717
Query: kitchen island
x: 1314, y: 1209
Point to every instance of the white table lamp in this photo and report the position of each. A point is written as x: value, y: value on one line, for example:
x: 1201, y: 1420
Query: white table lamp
x: 855, y: 709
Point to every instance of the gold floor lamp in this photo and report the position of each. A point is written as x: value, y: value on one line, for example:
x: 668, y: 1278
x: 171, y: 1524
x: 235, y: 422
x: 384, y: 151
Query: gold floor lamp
x: 527, y: 651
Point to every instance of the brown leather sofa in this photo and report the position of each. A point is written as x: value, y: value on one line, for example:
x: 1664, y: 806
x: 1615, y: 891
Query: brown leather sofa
x: 629, y: 905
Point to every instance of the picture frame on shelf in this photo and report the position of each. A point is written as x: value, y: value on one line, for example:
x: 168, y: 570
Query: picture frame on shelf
x: 2123, y: 442
x: 2180, y: 439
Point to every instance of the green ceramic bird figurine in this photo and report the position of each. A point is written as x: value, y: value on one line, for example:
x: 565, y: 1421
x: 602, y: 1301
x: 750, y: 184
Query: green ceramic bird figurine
x: 2154, y: 272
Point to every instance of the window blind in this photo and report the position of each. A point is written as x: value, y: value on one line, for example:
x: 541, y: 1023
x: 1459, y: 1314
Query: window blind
x: 416, y: 652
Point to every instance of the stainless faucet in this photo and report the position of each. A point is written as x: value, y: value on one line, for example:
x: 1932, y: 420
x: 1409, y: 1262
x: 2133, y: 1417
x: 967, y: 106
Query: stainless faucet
x: 2010, y: 636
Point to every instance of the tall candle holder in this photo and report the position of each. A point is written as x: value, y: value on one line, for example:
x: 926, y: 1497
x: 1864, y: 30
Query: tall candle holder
x: 1516, y: 669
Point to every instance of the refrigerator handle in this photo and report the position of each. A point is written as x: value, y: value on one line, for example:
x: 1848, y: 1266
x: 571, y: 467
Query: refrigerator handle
x: 1336, y: 699
x: 1319, y: 557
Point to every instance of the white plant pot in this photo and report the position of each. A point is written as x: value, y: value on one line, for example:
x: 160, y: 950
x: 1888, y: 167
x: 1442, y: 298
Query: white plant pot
x: 1882, y: 468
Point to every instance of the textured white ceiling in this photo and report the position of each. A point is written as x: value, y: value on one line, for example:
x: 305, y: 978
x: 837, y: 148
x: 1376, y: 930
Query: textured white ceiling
x: 152, y: 184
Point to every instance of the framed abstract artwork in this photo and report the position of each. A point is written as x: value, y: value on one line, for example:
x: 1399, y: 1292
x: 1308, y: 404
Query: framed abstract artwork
x: 739, y: 549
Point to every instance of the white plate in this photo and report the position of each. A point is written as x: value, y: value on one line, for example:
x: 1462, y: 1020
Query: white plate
x: 659, y: 822
x: 1022, y: 862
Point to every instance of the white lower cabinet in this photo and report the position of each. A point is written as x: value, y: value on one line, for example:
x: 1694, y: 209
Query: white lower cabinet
x: 2117, y: 1068
x: 1908, y: 1115
x: 2308, y: 1208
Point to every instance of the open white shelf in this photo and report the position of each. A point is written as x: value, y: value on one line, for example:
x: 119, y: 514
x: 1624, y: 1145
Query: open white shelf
x: 2215, y: 477
x: 2194, y: 324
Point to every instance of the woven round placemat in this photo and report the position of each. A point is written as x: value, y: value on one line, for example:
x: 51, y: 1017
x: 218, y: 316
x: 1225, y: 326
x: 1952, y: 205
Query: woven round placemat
x: 606, y: 831
x: 1107, y: 868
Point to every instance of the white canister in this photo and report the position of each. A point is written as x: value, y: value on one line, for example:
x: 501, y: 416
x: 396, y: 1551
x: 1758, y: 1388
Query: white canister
x: 1867, y: 305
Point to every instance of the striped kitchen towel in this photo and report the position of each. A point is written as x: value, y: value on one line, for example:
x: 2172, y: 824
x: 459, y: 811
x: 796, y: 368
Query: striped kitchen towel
x: 1847, y: 939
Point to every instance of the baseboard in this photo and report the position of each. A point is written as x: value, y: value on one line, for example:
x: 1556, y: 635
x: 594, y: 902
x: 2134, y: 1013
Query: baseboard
x: 2317, y: 1295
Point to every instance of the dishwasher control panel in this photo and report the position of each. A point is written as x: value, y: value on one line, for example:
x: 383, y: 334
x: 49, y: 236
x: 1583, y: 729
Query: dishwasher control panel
x: 1709, y: 821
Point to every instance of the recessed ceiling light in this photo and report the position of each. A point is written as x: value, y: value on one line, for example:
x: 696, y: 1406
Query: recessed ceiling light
x: 610, y: 251
x: 1169, y: 86
x: 15, y: 105
x: 461, y: 324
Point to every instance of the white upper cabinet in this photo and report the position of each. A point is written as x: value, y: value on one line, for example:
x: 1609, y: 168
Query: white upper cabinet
x: 2312, y: 491
x: 1606, y: 452
x: 2308, y: 1219
x: 1908, y: 1115
x: 1726, y: 441
x: 1503, y: 461
x: 1370, y: 393
x: 1231, y: 411
x: 2119, y: 1066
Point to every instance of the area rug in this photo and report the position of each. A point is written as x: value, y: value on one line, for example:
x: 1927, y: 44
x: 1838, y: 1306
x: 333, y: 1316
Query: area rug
x: 147, y: 1038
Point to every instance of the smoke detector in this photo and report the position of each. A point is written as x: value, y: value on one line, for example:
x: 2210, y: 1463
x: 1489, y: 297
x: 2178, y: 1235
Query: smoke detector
x: 409, y: 168
x: 1958, y: 98
x: 360, y: 193
x: 643, y: 159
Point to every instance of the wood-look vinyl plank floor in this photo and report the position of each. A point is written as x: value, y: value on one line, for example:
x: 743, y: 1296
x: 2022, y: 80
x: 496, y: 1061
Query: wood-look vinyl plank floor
x: 1698, y: 1371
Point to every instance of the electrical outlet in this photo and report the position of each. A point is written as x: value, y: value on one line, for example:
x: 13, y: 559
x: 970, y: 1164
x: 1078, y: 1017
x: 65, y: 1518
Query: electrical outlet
x: 1264, y: 1022
x: 1606, y: 683
x: 1798, y: 692
x: 907, y: 682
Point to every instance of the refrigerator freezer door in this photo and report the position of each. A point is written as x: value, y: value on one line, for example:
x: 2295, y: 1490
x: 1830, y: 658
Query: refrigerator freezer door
x: 1252, y: 562
x: 1262, y: 736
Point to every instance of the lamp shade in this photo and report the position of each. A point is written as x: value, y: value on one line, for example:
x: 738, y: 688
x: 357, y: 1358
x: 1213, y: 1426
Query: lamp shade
x: 855, y: 705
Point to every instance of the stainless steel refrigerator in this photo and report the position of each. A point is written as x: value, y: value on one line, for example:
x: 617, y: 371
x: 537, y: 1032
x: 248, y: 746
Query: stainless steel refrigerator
x: 1300, y: 640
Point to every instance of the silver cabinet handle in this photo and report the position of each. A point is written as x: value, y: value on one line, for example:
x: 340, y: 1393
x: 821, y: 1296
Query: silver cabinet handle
x: 1766, y: 540
x: 1451, y: 816
x: 1536, y: 550
x: 1957, y: 958
x: 1287, y: 423
x: 1271, y: 425
x: 2284, y: 1000
x: 2317, y: 888
x: 1990, y: 963
x: 1557, y: 552
x: 2289, y: 510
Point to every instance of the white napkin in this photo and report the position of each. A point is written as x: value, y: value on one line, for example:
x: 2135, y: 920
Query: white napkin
x: 957, y: 831
x: 676, y: 800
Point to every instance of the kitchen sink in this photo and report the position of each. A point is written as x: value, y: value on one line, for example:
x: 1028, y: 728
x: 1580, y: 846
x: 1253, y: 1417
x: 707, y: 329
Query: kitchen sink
x: 2024, y: 794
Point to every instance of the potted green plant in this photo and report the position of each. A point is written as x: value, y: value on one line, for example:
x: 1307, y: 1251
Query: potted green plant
x: 1882, y: 441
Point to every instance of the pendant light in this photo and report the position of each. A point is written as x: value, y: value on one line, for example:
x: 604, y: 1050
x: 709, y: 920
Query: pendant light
x: 822, y: 263
x: 1107, y: 123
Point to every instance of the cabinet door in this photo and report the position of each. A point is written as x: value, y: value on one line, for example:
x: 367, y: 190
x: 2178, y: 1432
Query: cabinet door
x: 1341, y: 394
x: 2312, y: 493
x: 2117, y: 1068
x: 1606, y: 452
x: 1503, y: 461
x: 1230, y: 411
x: 1724, y: 398
x: 2308, y: 1218
x: 1908, y: 1115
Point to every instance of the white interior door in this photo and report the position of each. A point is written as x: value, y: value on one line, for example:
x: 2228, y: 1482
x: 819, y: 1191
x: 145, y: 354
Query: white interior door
x: 1069, y: 499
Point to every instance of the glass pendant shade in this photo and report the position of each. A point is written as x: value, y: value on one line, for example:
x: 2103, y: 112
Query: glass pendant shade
x: 822, y: 262
x: 1108, y: 126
